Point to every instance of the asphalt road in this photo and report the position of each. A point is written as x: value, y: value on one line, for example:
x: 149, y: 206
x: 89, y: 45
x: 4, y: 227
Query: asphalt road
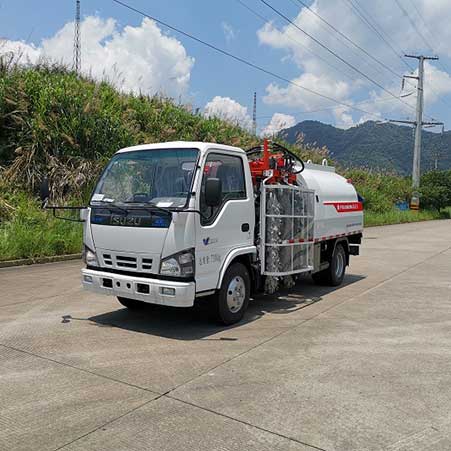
x: 366, y: 366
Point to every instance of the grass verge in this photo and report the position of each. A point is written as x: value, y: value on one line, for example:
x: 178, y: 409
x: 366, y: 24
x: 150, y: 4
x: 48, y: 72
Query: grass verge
x: 30, y: 232
x: 399, y: 217
x: 33, y: 233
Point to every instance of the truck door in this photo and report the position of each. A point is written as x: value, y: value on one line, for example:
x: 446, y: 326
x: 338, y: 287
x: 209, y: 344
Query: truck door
x: 228, y: 226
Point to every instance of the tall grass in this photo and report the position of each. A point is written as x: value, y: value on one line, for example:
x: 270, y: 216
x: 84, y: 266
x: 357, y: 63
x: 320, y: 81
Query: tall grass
x: 55, y: 123
x: 31, y: 232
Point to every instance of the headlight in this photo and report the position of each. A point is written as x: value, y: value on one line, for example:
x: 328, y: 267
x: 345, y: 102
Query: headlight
x: 89, y: 257
x: 180, y: 264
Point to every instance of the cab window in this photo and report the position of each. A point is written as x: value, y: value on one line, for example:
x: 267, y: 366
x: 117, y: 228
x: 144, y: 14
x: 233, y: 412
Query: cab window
x: 229, y: 169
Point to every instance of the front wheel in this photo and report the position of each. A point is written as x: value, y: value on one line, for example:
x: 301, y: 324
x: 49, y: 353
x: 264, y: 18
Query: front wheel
x: 230, y: 303
x: 334, y: 274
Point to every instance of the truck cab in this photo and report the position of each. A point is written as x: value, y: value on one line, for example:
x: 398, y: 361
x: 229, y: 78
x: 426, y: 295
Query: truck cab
x: 154, y: 234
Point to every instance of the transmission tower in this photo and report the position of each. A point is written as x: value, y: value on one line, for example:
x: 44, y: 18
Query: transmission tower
x: 254, y: 115
x: 77, y: 43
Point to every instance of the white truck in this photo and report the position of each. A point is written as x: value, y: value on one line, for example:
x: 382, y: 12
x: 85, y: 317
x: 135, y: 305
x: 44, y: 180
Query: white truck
x: 172, y: 222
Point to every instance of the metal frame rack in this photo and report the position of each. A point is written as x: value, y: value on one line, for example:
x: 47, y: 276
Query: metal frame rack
x: 286, y: 229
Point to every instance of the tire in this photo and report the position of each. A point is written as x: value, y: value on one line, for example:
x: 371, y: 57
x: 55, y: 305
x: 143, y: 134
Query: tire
x: 230, y: 303
x: 131, y: 304
x: 334, y: 274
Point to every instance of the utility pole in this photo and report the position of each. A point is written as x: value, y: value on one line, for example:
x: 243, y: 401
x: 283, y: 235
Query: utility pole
x: 437, y: 154
x: 436, y: 159
x: 418, y: 123
x: 254, y: 115
x: 77, y: 43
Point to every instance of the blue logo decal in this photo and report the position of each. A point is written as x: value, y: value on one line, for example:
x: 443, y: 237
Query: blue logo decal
x: 206, y: 240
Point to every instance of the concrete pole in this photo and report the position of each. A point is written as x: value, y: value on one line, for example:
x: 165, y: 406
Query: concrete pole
x: 419, y: 126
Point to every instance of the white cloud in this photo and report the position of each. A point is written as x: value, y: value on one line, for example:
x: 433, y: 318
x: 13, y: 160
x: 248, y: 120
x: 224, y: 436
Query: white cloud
x: 278, y: 122
x: 437, y: 84
x: 293, y: 96
x: 340, y: 81
x: 228, y: 109
x: 229, y: 32
x: 19, y: 51
x: 343, y: 117
x: 137, y: 59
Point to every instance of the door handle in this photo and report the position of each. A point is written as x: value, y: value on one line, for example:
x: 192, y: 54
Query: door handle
x: 245, y: 227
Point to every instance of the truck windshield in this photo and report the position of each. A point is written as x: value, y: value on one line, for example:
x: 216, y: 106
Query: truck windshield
x: 162, y: 177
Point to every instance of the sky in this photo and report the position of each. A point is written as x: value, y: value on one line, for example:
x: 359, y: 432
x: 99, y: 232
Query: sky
x: 139, y: 55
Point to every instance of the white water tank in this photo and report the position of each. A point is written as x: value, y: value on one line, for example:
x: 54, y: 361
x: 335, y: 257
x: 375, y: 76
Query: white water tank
x: 337, y: 207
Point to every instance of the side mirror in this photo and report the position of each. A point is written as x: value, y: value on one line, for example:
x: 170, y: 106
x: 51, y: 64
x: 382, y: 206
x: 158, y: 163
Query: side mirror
x: 213, y: 192
x: 44, y: 191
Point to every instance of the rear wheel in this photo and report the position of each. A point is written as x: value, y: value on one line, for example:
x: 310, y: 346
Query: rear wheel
x: 230, y: 303
x: 334, y: 274
x: 131, y: 304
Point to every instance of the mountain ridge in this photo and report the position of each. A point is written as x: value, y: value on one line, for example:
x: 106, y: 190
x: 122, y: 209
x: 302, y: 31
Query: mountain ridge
x: 373, y: 145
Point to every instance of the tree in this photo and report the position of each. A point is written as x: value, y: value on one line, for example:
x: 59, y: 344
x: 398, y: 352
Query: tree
x: 435, y: 189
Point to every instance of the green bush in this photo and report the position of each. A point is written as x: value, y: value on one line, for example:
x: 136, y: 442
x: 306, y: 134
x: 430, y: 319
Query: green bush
x: 380, y: 190
x: 435, y: 190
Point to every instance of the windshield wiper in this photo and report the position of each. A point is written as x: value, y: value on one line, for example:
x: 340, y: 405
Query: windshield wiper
x: 149, y: 204
x: 110, y: 206
x: 167, y: 210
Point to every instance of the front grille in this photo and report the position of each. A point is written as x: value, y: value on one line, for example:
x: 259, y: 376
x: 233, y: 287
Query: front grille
x: 146, y: 264
x: 127, y: 262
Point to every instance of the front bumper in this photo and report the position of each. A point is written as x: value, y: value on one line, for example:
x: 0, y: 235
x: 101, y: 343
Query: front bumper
x: 152, y: 291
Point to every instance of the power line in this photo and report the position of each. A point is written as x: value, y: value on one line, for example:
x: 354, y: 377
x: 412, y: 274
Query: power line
x: 340, y: 39
x: 352, y: 42
x: 414, y: 25
x: 317, y: 110
x: 241, y: 60
x: 426, y: 27
x: 446, y: 69
x: 373, y: 28
x: 320, y: 110
x: 336, y: 55
x: 349, y: 40
x: 420, y: 15
x: 265, y: 20
x: 364, y: 15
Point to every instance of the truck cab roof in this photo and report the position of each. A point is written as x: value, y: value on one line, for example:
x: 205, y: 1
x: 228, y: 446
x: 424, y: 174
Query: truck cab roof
x: 202, y: 146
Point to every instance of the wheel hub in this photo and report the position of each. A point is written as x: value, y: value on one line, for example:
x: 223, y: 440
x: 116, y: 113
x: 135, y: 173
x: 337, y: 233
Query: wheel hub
x: 339, y: 265
x: 236, y: 294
